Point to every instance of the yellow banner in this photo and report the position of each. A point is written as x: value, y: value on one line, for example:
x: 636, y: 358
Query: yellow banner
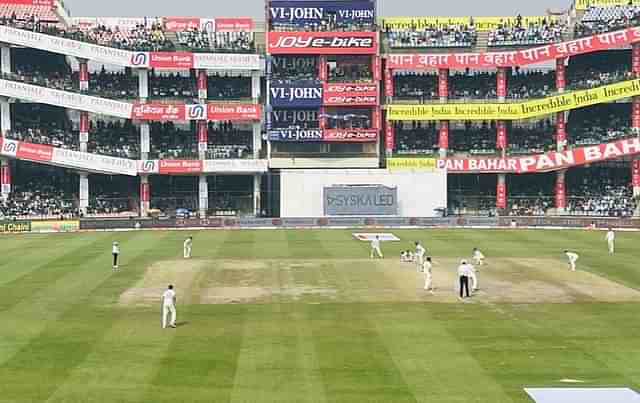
x: 423, y: 164
x: 55, y: 226
x: 515, y: 111
x: 585, y: 4
x: 481, y: 23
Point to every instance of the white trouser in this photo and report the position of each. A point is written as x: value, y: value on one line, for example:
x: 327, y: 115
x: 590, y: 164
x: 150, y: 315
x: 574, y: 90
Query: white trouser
x: 166, y: 310
x: 187, y: 252
x: 474, y: 281
x: 612, y: 246
x: 376, y: 251
x: 478, y: 262
x: 428, y: 281
x: 572, y: 265
x: 419, y: 264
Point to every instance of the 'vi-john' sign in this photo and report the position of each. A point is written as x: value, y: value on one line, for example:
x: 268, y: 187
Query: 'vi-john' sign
x: 314, y: 12
x: 298, y: 94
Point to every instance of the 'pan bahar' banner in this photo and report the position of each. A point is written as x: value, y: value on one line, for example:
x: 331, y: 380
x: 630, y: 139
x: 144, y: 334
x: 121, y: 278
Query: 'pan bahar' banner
x: 515, y: 111
x: 553, y: 161
x: 523, y: 57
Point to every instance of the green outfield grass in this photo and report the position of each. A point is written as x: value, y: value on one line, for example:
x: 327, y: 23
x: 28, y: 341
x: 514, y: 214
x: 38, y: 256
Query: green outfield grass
x: 67, y: 336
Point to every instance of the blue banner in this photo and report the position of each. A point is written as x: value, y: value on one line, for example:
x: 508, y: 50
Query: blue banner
x: 312, y: 12
x: 296, y: 135
x: 299, y: 94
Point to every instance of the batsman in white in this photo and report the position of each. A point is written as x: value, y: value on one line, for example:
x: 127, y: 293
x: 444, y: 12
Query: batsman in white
x: 428, y: 275
x: 186, y: 248
x: 169, y: 307
x: 478, y: 257
x: 611, y: 241
x: 420, y: 252
x: 375, y: 248
x: 573, y: 258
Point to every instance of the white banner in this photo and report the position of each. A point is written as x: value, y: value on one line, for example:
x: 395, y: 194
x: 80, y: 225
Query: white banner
x: 94, y: 162
x: 226, y: 61
x: 231, y: 166
x: 64, y: 46
x: 34, y: 93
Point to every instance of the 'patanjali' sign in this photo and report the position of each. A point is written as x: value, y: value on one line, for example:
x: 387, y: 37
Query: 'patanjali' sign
x: 366, y: 200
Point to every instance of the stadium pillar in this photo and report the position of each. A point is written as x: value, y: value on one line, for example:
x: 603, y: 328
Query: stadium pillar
x: 5, y: 179
x: 145, y: 141
x: 561, y: 192
x: 145, y: 195
x: 5, y: 58
x: 501, y: 136
x: 143, y: 85
x: 501, y: 192
x: 203, y: 200
x: 257, y: 186
x: 203, y: 86
x: 83, y: 74
x: 501, y: 84
x: 84, y: 192
x: 255, y: 86
x: 84, y: 130
x: 257, y: 140
x: 203, y: 138
x: 443, y: 84
x: 561, y: 74
x: 5, y: 116
x: 561, y: 131
x: 443, y: 138
x: 635, y: 177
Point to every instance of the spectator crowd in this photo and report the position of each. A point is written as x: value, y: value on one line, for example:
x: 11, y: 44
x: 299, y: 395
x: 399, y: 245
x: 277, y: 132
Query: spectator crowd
x: 598, y: 20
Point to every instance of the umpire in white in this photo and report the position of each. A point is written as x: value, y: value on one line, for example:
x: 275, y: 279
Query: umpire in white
x: 464, y: 274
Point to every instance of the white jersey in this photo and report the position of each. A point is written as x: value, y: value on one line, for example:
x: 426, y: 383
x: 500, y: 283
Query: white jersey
x: 188, y: 243
x: 375, y: 244
x: 478, y: 255
x: 610, y: 237
x: 167, y: 297
x: 420, y: 251
x: 115, y: 249
x: 573, y: 257
x: 426, y: 267
x: 466, y: 270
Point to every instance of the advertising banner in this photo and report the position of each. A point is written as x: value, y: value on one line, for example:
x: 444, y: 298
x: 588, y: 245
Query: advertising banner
x: 296, y: 135
x: 180, y: 24
x: 5, y: 176
x: 635, y: 58
x: 443, y: 135
x: 516, y: 110
x: 561, y: 74
x: 313, y: 12
x: 37, y: 3
x: 158, y: 112
x: 501, y: 135
x: 9, y: 147
x: 517, y: 57
x: 552, y: 161
x: 34, y: 152
x: 443, y: 83
x: 171, y: 60
x: 348, y: 94
x: 501, y: 195
x: 635, y: 174
x: 234, y: 112
x: 14, y: 227
x: 179, y: 167
x: 350, y: 135
x: 55, y: 226
x: 299, y: 94
x: 561, y: 128
x: 390, y: 137
x: 561, y: 196
x: 377, y: 68
x: 585, y: 4
x: 360, y: 201
x: 226, y: 61
x: 501, y: 85
x: 480, y: 23
x: 318, y: 43
x: 389, y: 90
x: 94, y: 162
x: 418, y: 164
x: 233, y: 166
x: 145, y: 192
x: 233, y: 24
x: 287, y: 118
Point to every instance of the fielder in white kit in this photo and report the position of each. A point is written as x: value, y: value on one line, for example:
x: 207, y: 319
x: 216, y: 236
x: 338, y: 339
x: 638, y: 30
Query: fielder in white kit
x: 375, y: 248
x: 420, y: 252
x: 428, y: 275
x: 186, y: 248
x: 478, y: 257
x: 611, y: 241
x: 573, y: 258
x: 169, y: 307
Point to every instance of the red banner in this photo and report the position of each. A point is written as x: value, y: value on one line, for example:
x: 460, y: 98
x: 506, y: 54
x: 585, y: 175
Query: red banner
x: 181, y: 24
x: 233, y: 24
x: 171, y: 60
x: 83, y: 72
x: 350, y: 135
x: 180, y: 167
x: 517, y: 57
x: 203, y: 132
x: 561, y: 128
x: 553, y: 161
x: 501, y: 194
x: 34, y: 152
x: 345, y: 94
x: 501, y: 135
x: 561, y: 193
x: 388, y: 83
x: 377, y: 68
x: 322, y: 68
x: 327, y: 43
x: 234, y: 112
x: 501, y: 85
x: 635, y: 174
x: 561, y: 74
x: 376, y: 119
x: 635, y: 58
x: 145, y: 192
x: 41, y: 3
x: 635, y: 113
x: 443, y: 83
x: 390, y: 137
x: 5, y: 175
x: 443, y: 135
x: 158, y: 112
x: 202, y: 80
x: 84, y: 122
